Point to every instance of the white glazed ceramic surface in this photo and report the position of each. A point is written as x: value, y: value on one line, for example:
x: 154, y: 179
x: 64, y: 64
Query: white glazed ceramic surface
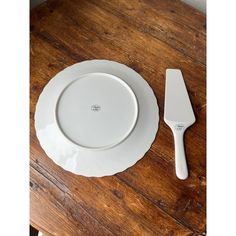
x: 178, y: 115
x: 96, y: 118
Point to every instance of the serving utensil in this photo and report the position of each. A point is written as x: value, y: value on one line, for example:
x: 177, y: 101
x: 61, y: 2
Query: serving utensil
x: 178, y: 115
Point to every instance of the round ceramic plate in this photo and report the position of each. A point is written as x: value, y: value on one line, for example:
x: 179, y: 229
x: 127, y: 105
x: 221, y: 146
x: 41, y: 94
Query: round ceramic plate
x: 96, y: 118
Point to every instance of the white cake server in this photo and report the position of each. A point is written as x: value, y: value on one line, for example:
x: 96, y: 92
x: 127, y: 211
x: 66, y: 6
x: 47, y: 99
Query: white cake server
x: 178, y: 115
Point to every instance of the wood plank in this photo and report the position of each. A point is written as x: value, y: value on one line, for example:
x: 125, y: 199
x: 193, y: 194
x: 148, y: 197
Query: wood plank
x: 185, y: 202
x: 52, y: 206
x: 150, y: 21
x: 92, y: 26
x: 111, y: 201
x: 180, y: 12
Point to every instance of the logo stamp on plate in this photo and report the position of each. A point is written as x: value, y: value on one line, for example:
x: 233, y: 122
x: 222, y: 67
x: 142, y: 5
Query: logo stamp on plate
x: 95, y: 107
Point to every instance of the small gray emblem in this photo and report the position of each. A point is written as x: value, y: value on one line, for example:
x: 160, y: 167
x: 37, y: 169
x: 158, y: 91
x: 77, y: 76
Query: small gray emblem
x: 95, y: 107
x: 179, y: 127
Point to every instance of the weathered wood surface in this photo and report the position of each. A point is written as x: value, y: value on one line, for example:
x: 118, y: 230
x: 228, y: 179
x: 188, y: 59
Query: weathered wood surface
x: 147, y: 199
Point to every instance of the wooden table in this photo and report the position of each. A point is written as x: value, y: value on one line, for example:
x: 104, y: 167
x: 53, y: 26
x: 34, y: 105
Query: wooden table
x: 147, y: 199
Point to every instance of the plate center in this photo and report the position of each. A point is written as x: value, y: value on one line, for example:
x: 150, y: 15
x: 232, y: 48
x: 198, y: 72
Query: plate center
x: 97, y: 111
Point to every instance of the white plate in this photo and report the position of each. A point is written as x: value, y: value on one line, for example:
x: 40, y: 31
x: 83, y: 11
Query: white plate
x: 96, y: 118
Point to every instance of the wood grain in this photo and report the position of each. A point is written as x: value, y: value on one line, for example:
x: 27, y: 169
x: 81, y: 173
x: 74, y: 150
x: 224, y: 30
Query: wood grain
x: 147, y: 199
